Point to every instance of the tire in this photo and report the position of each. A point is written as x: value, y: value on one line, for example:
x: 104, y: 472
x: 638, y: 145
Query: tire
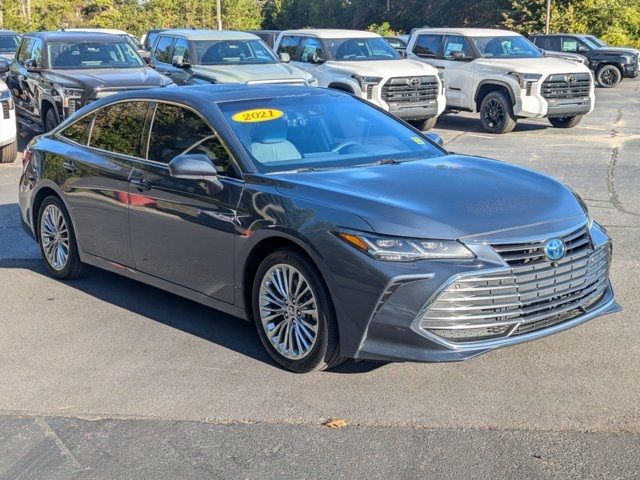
x: 496, y: 113
x: 424, y: 124
x: 276, y: 312
x: 72, y: 267
x: 8, y: 153
x: 566, y: 122
x: 50, y: 120
x: 608, y: 76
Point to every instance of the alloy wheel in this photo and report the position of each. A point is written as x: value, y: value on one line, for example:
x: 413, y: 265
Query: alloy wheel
x: 288, y: 311
x: 608, y: 77
x: 494, y: 113
x: 54, y: 235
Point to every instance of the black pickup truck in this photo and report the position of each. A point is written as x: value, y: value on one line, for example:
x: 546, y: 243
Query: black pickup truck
x: 56, y: 73
x: 610, y: 64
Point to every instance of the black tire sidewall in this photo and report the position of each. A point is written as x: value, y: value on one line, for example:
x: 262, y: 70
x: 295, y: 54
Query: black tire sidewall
x: 9, y: 153
x: 327, y: 327
x: 50, y: 120
x: 72, y: 267
x: 608, y: 67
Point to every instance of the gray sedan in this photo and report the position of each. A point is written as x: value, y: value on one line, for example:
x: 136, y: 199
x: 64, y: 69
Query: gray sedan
x: 340, y: 231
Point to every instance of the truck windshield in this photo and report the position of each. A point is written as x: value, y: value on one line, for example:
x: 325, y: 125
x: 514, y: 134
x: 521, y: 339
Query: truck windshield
x: 509, y: 46
x: 320, y: 131
x: 233, y: 52
x: 361, y: 49
x: 9, y: 43
x: 594, y: 42
x: 87, y: 55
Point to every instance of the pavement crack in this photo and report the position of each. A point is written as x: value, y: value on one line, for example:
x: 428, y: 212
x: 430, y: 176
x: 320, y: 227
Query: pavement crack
x: 50, y: 432
x: 456, y: 138
x: 615, y: 154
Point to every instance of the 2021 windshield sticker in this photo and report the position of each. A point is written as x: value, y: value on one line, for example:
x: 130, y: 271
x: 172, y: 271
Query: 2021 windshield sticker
x: 257, y: 115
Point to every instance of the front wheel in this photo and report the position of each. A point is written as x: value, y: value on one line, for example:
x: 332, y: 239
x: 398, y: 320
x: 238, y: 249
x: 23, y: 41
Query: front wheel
x: 496, y: 113
x: 8, y: 153
x: 608, y: 76
x: 565, y: 122
x: 50, y: 120
x: 293, y: 313
x: 424, y: 124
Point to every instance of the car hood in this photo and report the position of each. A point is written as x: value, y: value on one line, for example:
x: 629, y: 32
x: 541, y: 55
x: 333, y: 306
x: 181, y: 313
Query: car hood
x: 576, y: 57
x: 251, y: 73
x: 617, y: 50
x: 109, y: 78
x: 542, y: 65
x: 385, y: 68
x: 450, y: 197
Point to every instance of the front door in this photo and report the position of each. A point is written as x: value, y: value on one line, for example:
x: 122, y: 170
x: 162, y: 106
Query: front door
x: 181, y: 231
x: 456, y: 64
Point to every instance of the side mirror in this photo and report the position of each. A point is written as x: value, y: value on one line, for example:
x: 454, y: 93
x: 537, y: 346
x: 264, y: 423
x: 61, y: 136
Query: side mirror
x: 149, y: 61
x: 178, y: 62
x: 195, y: 166
x: 315, y: 58
x: 582, y: 49
x: 4, y: 66
x: 458, y: 56
x: 403, y: 53
x: 31, y: 65
x: 284, y: 57
x: 434, y: 137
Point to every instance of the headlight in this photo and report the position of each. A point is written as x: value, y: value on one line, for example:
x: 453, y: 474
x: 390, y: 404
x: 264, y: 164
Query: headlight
x: 395, y: 249
x: 313, y: 82
x: 524, y: 78
x: 71, y: 92
x: 629, y: 58
x: 364, y: 81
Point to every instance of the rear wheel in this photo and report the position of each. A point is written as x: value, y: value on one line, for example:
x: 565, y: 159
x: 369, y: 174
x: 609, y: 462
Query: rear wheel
x: 8, y: 153
x: 424, y: 124
x: 57, y: 240
x: 50, y: 120
x: 496, y: 113
x: 293, y: 313
x: 566, y: 122
x: 608, y: 76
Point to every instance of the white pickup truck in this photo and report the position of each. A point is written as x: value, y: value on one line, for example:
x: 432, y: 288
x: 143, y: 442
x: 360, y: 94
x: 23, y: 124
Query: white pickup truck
x: 8, y: 140
x: 365, y: 65
x: 503, y: 76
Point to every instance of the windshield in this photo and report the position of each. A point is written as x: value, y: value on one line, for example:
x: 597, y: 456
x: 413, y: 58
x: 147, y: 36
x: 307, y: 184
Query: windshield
x: 593, y: 42
x: 9, y: 43
x: 133, y: 41
x: 359, y: 49
x: 87, y: 55
x: 321, y: 131
x: 511, y: 46
x: 233, y: 52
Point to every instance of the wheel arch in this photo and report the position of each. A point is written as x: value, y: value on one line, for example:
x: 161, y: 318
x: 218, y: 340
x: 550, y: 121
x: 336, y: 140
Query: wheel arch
x: 42, y: 193
x: 613, y: 63
x: 488, y: 86
x: 343, y: 87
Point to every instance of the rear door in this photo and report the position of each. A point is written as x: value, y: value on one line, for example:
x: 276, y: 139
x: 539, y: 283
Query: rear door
x: 181, y: 231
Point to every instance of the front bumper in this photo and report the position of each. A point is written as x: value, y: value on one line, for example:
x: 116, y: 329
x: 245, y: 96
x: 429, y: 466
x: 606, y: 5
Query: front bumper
x: 631, y: 70
x: 396, y: 330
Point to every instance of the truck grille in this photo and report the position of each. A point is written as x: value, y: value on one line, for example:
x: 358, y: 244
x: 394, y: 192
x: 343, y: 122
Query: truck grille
x: 5, y: 110
x: 566, y: 86
x: 533, y: 293
x: 410, y: 90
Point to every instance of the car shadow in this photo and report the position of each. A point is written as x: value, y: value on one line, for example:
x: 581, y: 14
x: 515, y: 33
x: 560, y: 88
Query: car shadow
x: 175, y: 312
x: 459, y: 123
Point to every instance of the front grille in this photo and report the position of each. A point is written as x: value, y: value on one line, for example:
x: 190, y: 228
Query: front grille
x: 410, y: 90
x: 534, y: 293
x: 563, y: 86
x: 5, y: 110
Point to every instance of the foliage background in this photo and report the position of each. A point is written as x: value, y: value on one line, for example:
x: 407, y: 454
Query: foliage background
x: 616, y: 21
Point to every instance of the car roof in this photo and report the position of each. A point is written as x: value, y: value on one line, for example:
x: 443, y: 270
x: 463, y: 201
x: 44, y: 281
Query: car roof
x: 76, y: 36
x: 8, y: 32
x: 469, y: 32
x: 211, y: 34
x: 111, y: 31
x: 332, y: 33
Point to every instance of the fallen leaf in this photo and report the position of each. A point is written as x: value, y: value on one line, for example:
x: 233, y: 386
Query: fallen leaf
x: 335, y: 423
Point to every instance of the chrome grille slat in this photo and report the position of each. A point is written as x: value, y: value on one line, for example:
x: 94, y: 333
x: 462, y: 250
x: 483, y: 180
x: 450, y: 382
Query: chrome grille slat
x: 557, y: 86
x: 399, y: 90
x: 531, y: 289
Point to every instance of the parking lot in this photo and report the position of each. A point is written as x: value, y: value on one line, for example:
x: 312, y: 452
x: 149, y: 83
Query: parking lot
x: 104, y: 377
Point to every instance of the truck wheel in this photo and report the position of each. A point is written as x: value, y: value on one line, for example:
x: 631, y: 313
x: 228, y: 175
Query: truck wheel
x: 8, y: 153
x: 424, y: 124
x: 608, y: 76
x: 496, y: 113
x: 50, y: 120
x: 565, y: 122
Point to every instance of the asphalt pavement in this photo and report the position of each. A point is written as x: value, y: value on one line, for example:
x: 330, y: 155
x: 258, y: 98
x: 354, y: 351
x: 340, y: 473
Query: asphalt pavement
x: 103, y: 377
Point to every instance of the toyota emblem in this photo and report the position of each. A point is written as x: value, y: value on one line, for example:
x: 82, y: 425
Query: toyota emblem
x: 571, y: 79
x: 415, y: 82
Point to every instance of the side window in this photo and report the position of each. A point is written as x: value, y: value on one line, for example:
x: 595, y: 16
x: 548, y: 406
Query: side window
x: 457, y: 43
x: 289, y: 44
x: 181, y: 52
x: 163, y: 49
x: 541, y: 42
x: 311, y: 45
x: 553, y: 44
x: 78, y: 131
x: 569, y: 44
x: 36, y: 52
x: 177, y: 130
x: 118, y: 128
x: 24, y: 53
x: 428, y: 46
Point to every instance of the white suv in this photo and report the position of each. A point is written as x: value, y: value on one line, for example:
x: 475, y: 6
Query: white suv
x: 503, y: 76
x: 8, y: 141
x: 365, y: 65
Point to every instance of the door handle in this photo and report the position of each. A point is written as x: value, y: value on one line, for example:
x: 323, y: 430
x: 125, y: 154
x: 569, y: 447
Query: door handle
x: 69, y: 166
x: 141, y: 184
x: 441, y: 67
